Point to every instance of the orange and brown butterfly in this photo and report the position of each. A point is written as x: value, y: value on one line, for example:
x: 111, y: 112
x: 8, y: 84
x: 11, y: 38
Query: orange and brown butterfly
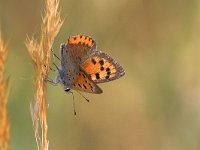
x: 83, y: 66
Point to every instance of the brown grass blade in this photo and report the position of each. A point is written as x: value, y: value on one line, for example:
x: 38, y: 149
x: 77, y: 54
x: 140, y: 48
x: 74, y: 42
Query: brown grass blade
x: 40, y: 54
x: 4, y: 123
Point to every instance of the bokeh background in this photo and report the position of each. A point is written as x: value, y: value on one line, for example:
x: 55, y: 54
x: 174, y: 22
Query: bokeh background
x: 155, y: 106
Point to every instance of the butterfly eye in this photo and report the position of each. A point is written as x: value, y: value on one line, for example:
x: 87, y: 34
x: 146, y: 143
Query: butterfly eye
x: 67, y: 89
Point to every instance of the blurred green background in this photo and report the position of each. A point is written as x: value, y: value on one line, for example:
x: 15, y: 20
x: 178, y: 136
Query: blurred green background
x: 155, y: 106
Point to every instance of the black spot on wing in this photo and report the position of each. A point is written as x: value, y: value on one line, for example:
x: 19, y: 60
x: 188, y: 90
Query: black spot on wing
x: 97, y: 76
x: 108, y: 72
x: 107, y: 77
x: 102, y: 68
x: 84, y: 86
x: 107, y: 69
x: 93, y: 61
x: 101, y: 62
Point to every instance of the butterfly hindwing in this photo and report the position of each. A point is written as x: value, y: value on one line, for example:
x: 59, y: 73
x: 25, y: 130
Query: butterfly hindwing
x: 102, y: 68
x: 84, y: 83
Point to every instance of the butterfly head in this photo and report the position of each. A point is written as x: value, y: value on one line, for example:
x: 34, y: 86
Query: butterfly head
x: 67, y: 90
x: 65, y: 85
x: 65, y: 82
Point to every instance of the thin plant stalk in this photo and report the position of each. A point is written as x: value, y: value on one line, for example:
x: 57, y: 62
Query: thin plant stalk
x: 40, y: 53
x: 4, y: 123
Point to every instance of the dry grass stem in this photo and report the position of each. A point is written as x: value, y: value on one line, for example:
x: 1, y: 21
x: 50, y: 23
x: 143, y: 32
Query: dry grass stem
x: 4, y: 123
x: 40, y: 52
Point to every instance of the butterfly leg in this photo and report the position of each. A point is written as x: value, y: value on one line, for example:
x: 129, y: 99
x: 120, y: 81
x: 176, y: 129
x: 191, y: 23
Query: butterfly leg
x: 50, y: 68
x: 53, y: 62
x: 56, y: 67
x: 52, y: 82
x: 55, y: 54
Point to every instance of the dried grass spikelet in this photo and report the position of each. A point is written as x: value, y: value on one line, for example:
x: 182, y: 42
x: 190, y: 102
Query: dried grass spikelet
x: 40, y: 53
x: 4, y: 123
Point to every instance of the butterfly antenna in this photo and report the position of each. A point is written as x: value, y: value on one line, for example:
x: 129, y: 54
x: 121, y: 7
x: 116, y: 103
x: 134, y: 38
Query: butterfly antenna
x: 52, y: 69
x: 83, y: 96
x: 73, y: 103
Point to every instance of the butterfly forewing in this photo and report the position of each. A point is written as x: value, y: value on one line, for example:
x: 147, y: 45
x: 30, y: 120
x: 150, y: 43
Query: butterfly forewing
x: 80, y: 47
x: 84, y: 83
x: 102, y: 68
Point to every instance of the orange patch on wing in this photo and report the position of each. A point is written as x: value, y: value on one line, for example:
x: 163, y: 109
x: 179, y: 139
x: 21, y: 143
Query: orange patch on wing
x: 81, y: 39
x: 83, y: 83
x: 99, y: 68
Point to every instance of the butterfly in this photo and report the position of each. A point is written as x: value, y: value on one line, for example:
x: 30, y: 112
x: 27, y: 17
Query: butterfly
x: 82, y: 66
